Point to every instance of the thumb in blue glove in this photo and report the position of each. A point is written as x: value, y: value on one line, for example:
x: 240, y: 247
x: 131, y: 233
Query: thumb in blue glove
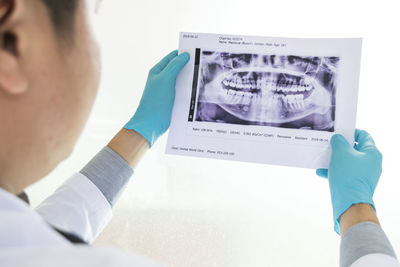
x: 353, y: 173
x: 153, y: 116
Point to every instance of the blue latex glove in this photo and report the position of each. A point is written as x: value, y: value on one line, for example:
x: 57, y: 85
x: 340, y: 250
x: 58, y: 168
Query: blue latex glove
x: 353, y: 173
x: 153, y: 116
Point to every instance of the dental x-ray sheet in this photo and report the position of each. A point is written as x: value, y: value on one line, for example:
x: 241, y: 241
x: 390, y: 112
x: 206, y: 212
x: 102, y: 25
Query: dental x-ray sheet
x: 264, y: 99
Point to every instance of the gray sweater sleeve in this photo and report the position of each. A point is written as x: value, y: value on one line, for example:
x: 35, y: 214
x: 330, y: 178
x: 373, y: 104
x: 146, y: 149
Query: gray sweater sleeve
x: 363, y: 239
x: 109, y: 172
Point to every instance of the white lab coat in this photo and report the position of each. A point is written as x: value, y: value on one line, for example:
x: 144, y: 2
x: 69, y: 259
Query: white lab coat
x: 77, y: 207
x: 80, y: 208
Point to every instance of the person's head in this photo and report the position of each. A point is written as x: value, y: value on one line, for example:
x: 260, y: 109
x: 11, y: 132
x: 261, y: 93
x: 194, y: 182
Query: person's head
x: 49, y: 75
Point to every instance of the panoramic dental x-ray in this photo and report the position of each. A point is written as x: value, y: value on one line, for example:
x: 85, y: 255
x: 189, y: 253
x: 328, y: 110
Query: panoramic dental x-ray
x: 287, y: 91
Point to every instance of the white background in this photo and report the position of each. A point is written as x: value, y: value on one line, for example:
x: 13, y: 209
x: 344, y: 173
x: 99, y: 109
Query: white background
x: 199, y: 212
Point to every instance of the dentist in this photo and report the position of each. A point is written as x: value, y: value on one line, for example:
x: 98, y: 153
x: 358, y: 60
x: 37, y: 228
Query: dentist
x: 49, y: 75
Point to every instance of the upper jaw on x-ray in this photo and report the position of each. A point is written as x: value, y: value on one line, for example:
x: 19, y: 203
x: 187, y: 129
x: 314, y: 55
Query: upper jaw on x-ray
x: 287, y: 91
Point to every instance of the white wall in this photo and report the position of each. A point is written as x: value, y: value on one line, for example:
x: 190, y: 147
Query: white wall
x: 198, y: 212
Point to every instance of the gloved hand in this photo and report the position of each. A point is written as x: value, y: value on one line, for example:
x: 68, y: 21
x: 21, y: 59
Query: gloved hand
x: 153, y: 116
x: 353, y: 173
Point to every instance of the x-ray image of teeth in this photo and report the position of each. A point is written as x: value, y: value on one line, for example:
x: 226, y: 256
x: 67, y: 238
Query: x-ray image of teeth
x: 286, y: 91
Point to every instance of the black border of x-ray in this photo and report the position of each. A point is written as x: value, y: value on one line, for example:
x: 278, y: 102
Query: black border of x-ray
x: 195, y: 83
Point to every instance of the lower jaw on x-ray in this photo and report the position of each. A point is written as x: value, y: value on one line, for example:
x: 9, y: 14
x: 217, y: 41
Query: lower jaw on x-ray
x: 270, y: 90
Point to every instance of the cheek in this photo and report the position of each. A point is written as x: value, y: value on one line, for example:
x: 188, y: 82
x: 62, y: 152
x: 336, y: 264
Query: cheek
x: 84, y: 64
x: 75, y: 89
x: 96, y: 67
x: 89, y: 60
x: 88, y: 84
x: 82, y: 92
x: 66, y: 100
x: 83, y: 85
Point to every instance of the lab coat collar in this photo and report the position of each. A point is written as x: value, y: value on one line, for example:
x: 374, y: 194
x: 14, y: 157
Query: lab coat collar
x: 9, y: 201
x: 20, y: 226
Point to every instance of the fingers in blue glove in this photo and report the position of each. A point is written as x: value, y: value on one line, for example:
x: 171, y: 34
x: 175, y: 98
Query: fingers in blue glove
x: 365, y: 141
x: 338, y: 142
x: 160, y: 66
x: 176, y: 65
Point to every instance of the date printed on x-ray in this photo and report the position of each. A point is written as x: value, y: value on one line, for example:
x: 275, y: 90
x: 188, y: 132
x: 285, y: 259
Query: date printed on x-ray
x: 264, y: 99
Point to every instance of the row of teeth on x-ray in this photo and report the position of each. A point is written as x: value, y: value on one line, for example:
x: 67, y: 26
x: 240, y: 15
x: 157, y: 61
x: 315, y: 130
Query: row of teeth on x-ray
x: 292, y: 102
x: 254, y: 86
x: 289, y: 93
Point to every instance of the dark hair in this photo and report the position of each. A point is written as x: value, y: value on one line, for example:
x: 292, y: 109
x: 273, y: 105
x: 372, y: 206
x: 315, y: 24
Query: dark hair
x: 62, y: 13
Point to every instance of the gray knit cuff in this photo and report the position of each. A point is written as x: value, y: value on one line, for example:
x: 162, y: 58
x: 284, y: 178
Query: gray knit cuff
x: 109, y: 172
x: 363, y: 239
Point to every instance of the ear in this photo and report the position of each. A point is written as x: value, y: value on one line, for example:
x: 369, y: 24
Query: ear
x: 12, y: 78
